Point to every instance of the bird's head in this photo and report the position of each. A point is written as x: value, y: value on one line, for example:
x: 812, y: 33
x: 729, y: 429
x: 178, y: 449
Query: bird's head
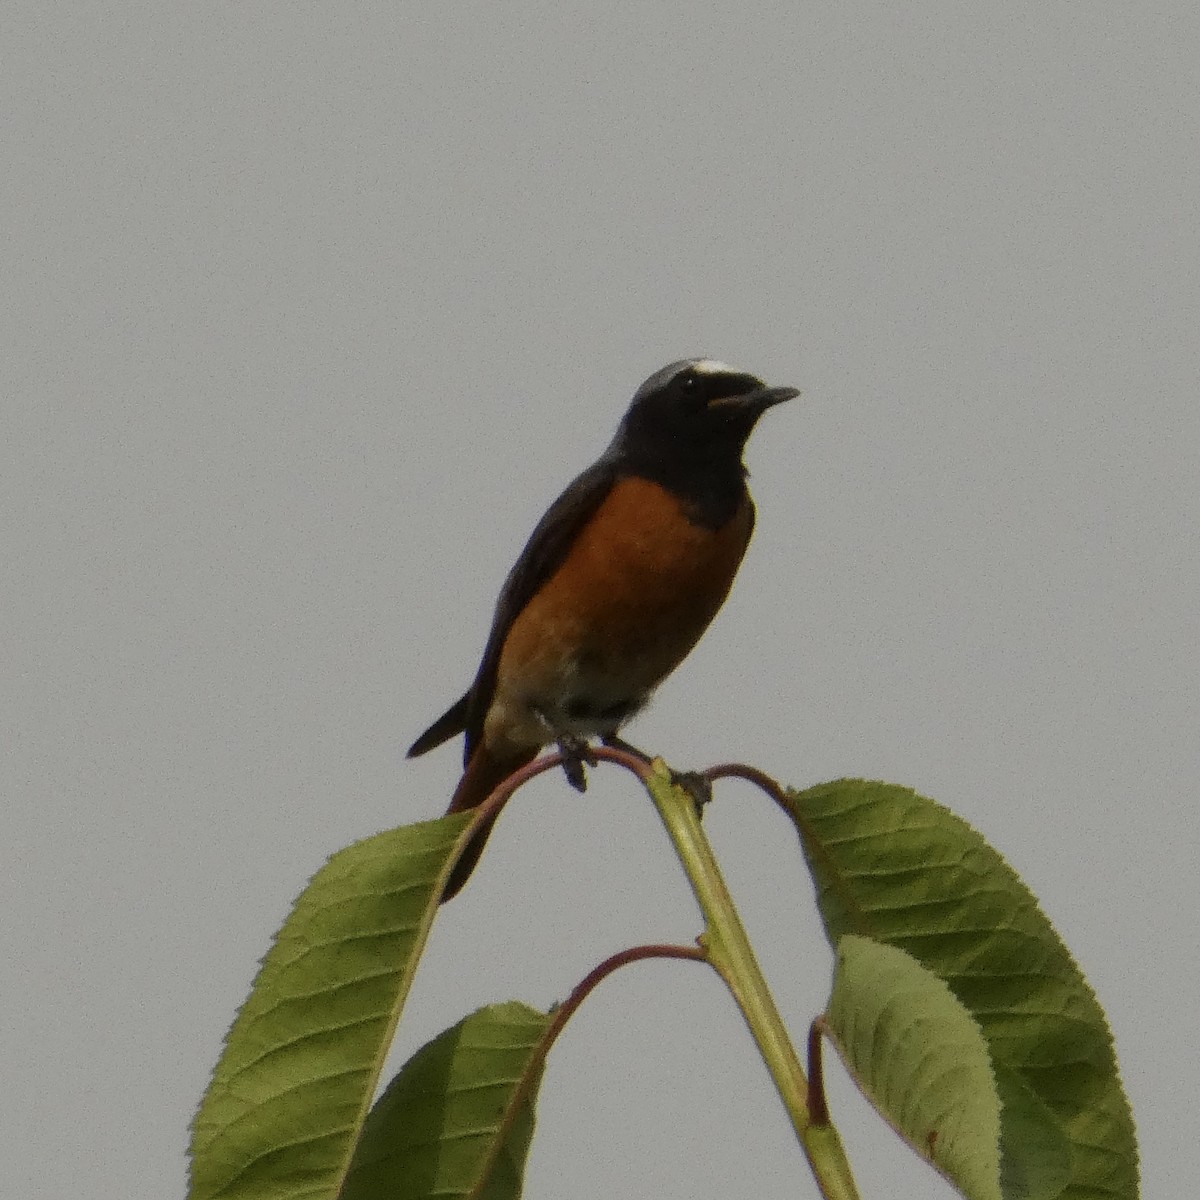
x: 697, y: 405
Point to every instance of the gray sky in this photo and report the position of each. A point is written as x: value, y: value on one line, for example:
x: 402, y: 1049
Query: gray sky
x: 309, y: 312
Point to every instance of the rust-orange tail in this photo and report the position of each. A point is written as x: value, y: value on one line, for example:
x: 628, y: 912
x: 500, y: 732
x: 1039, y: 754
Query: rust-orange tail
x: 484, y: 773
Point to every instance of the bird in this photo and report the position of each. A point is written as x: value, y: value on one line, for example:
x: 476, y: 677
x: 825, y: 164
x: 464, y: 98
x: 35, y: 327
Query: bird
x: 616, y: 584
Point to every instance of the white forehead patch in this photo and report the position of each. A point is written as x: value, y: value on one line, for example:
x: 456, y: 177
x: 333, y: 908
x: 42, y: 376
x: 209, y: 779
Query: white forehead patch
x: 710, y: 366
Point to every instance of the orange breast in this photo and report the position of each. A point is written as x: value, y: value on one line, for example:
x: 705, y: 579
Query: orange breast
x: 633, y: 596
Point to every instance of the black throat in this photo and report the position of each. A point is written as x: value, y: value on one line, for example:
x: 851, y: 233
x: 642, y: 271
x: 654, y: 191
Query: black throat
x: 710, y: 481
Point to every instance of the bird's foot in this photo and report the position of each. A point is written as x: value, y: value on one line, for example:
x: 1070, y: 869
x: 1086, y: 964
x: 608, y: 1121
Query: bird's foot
x: 576, y: 753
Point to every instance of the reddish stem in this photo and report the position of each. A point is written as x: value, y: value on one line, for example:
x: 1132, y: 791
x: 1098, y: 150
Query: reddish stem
x: 565, y: 1010
x: 584, y: 987
x: 818, y: 1108
x: 631, y: 762
x: 499, y: 796
x: 752, y: 775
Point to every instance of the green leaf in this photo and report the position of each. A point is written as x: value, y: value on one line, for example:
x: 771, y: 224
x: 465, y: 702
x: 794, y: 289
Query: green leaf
x: 458, y: 1119
x: 920, y: 1058
x: 291, y: 1091
x: 897, y: 868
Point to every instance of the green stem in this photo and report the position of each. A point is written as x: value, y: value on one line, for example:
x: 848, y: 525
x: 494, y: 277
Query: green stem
x: 729, y: 950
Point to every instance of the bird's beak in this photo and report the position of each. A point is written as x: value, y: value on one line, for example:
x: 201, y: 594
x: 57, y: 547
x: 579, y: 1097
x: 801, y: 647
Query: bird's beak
x: 757, y: 401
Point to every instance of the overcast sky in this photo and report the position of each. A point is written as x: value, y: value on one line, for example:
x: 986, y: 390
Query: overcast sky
x: 308, y: 313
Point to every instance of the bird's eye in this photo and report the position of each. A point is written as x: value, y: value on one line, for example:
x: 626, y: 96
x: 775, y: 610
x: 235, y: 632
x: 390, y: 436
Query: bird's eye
x: 689, y: 381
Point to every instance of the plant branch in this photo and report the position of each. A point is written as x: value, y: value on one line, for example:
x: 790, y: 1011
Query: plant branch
x: 581, y: 991
x: 752, y: 775
x: 732, y: 956
x: 563, y: 1014
x: 818, y: 1107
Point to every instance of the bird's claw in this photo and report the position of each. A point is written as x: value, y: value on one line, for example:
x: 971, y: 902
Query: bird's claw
x: 576, y: 753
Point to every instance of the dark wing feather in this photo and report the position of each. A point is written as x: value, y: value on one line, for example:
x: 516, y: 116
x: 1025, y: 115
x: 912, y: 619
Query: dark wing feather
x: 453, y: 721
x: 543, y: 554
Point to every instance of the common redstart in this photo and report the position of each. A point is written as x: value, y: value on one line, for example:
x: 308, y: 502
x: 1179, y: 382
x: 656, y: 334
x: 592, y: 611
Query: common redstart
x: 616, y: 584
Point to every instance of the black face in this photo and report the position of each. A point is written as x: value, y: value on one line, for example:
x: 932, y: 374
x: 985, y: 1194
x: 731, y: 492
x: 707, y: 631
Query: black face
x: 697, y: 403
